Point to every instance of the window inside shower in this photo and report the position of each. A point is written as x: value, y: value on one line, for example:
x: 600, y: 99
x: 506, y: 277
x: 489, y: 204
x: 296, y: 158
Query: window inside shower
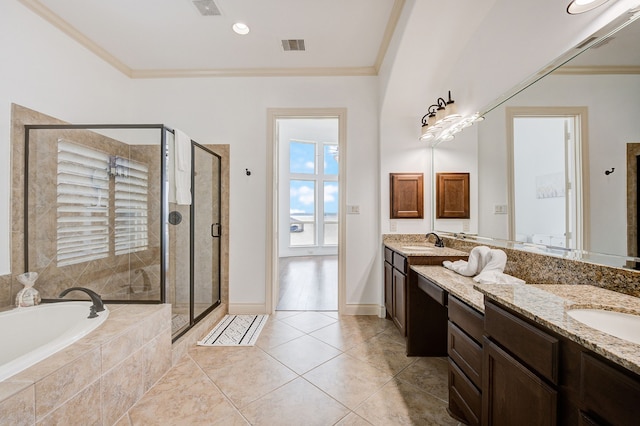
x: 99, y: 214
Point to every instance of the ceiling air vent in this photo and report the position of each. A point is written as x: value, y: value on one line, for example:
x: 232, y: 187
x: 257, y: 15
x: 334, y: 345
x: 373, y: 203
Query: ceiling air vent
x: 293, y: 45
x: 207, y: 7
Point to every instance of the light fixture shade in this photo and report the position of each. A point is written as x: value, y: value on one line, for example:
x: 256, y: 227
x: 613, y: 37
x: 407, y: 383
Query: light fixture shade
x: 581, y: 6
x: 440, y: 114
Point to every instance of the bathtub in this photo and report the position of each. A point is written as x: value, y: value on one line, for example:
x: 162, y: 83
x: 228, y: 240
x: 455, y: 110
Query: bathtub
x: 29, y: 335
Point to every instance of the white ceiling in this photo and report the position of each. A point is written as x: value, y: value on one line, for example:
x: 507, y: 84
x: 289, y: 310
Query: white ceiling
x: 146, y: 38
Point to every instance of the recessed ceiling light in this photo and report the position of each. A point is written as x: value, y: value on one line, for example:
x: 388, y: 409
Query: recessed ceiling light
x: 580, y: 6
x: 240, y: 28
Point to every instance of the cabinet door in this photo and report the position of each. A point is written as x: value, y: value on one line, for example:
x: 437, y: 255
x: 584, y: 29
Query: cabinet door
x: 399, y: 306
x: 407, y: 194
x: 513, y: 395
x: 388, y: 289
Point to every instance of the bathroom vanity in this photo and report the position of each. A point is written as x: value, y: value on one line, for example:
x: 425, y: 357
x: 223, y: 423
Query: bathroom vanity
x: 517, y: 356
x: 399, y: 256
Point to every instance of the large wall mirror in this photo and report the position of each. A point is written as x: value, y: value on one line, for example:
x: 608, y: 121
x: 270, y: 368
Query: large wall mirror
x: 557, y: 162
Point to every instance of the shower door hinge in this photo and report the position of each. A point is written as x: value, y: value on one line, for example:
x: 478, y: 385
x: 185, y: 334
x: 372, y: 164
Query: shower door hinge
x: 216, y: 230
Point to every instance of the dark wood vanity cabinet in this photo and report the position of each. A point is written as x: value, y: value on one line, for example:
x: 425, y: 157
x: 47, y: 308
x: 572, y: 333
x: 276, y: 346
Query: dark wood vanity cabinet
x: 395, y: 287
x: 464, y: 347
x: 520, y: 371
x: 411, y: 310
x: 532, y: 375
x: 426, y: 317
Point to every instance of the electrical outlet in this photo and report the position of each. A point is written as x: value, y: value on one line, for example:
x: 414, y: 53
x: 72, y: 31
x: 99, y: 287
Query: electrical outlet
x: 465, y: 226
x: 500, y: 209
x: 393, y: 226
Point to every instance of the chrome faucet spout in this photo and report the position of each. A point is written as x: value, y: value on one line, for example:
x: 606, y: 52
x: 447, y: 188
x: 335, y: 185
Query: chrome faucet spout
x: 439, y: 242
x: 98, y: 305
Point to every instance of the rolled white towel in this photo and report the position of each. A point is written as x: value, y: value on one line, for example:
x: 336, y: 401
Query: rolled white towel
x: 478, y: 259
x: 497, y: 261
x: 496, y: 277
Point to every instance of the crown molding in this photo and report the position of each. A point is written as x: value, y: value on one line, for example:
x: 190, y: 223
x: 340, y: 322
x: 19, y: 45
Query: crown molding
x: 48, y: 15
x: 392, y: 23
x: 594, y: 70
x: 254, y: 72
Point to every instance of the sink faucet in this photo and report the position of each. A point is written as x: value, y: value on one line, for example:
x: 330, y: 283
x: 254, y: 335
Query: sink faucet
x: 439, y: 242
x: 97, y: 306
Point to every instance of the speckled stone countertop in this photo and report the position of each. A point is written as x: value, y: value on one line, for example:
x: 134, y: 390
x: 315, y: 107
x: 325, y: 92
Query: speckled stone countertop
x: 456, y: 284
x: 547, y: 304
x: 421, y: 248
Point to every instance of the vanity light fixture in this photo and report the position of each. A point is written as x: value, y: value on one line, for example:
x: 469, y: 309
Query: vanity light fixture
x: 240, y: 28
x: 581, y: 6
x: 442, y: 121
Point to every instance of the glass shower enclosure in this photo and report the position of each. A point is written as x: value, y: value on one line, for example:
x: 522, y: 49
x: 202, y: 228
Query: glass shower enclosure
x: 98, y: 215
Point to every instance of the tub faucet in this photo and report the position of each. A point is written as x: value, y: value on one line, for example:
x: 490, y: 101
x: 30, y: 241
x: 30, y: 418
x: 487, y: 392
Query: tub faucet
x: 439, y: 242
x: 97, y: 306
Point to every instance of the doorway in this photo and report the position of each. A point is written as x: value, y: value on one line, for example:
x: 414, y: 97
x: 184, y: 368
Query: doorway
x: 546, y: 176
x: 305, y: 247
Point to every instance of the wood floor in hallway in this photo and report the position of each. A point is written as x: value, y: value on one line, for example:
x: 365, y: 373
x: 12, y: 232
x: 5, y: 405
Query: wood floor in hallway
x: 308, y: 283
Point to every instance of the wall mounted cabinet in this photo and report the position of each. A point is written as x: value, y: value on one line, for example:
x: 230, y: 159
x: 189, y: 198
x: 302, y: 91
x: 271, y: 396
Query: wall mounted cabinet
x: 407, y: 195
x: 452, y: 196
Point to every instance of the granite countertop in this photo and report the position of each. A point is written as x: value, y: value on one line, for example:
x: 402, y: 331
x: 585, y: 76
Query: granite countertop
x: 547, y: 305
x: 456, y: 284
x: 422, y: 248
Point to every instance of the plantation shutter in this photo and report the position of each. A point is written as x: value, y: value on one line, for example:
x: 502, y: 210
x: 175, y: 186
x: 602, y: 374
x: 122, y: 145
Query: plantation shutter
x: 130, y: 206
x: 83, y: 204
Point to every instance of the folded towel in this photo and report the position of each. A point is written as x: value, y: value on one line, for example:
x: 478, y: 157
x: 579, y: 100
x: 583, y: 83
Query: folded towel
x: 497, y: 261
x: 182, y: 167
x: 478, y: 259
x: 496, y: 277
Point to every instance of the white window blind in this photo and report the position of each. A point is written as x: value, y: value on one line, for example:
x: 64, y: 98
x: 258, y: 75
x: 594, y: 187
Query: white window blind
x: 130, y: 206
x: 83, y: 204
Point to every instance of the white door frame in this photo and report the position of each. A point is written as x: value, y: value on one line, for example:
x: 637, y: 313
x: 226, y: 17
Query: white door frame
x: 580, y: 114
x: 273, y: 114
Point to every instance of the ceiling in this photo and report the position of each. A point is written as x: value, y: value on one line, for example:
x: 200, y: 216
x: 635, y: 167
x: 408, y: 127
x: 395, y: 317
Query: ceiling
x: 171, y: 38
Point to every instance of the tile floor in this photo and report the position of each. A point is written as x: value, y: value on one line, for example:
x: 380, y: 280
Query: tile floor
x: 307, y: 368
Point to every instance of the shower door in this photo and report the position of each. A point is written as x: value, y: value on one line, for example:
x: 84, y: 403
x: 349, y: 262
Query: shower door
x: 193, y: 287
x: 206, y: 231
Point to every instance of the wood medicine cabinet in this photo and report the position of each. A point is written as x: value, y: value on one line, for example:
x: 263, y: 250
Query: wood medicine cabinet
x: 452, y: 196
x: 407, y: 195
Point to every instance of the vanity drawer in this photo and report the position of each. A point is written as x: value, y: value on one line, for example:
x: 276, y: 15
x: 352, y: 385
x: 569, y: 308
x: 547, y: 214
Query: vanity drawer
x: 388, y: 255
x: 610, y: 394
x: 400, y: 262
x: 466, y: 353
x: 467, y: 318
x: 536, y: 349
x: 435, y: 292
x: 466, y: 397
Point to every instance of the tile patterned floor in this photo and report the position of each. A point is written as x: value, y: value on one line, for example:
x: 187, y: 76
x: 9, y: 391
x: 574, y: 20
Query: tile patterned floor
x: 307, y: 368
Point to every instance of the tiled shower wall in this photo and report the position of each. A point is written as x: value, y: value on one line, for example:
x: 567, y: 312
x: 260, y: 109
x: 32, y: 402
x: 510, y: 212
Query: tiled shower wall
x: 118, y: 280
x: 113, y: 277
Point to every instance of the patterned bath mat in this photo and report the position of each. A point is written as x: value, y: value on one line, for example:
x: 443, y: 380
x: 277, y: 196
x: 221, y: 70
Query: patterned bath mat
x: 235, y: 330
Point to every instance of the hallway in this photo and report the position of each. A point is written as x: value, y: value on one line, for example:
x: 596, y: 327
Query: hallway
x: 307, y: 368
x: 308, y: 283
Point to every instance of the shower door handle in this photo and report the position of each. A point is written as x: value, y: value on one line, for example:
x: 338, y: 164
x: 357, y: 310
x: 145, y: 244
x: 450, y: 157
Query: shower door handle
x: 218, y: 230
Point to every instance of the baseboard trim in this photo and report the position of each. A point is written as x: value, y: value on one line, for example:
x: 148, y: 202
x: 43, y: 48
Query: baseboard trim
x: 247, y: 308
x: 361, y: 310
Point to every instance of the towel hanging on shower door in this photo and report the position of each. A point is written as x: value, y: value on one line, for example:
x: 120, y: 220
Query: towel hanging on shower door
x: 182, y: 167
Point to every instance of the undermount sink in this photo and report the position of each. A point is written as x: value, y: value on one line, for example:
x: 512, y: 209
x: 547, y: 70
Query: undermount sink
x: 425, y: 248
x: 624, y: 326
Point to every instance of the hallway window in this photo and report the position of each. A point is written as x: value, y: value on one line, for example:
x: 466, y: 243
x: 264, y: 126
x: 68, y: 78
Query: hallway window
x: 313, y: 193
